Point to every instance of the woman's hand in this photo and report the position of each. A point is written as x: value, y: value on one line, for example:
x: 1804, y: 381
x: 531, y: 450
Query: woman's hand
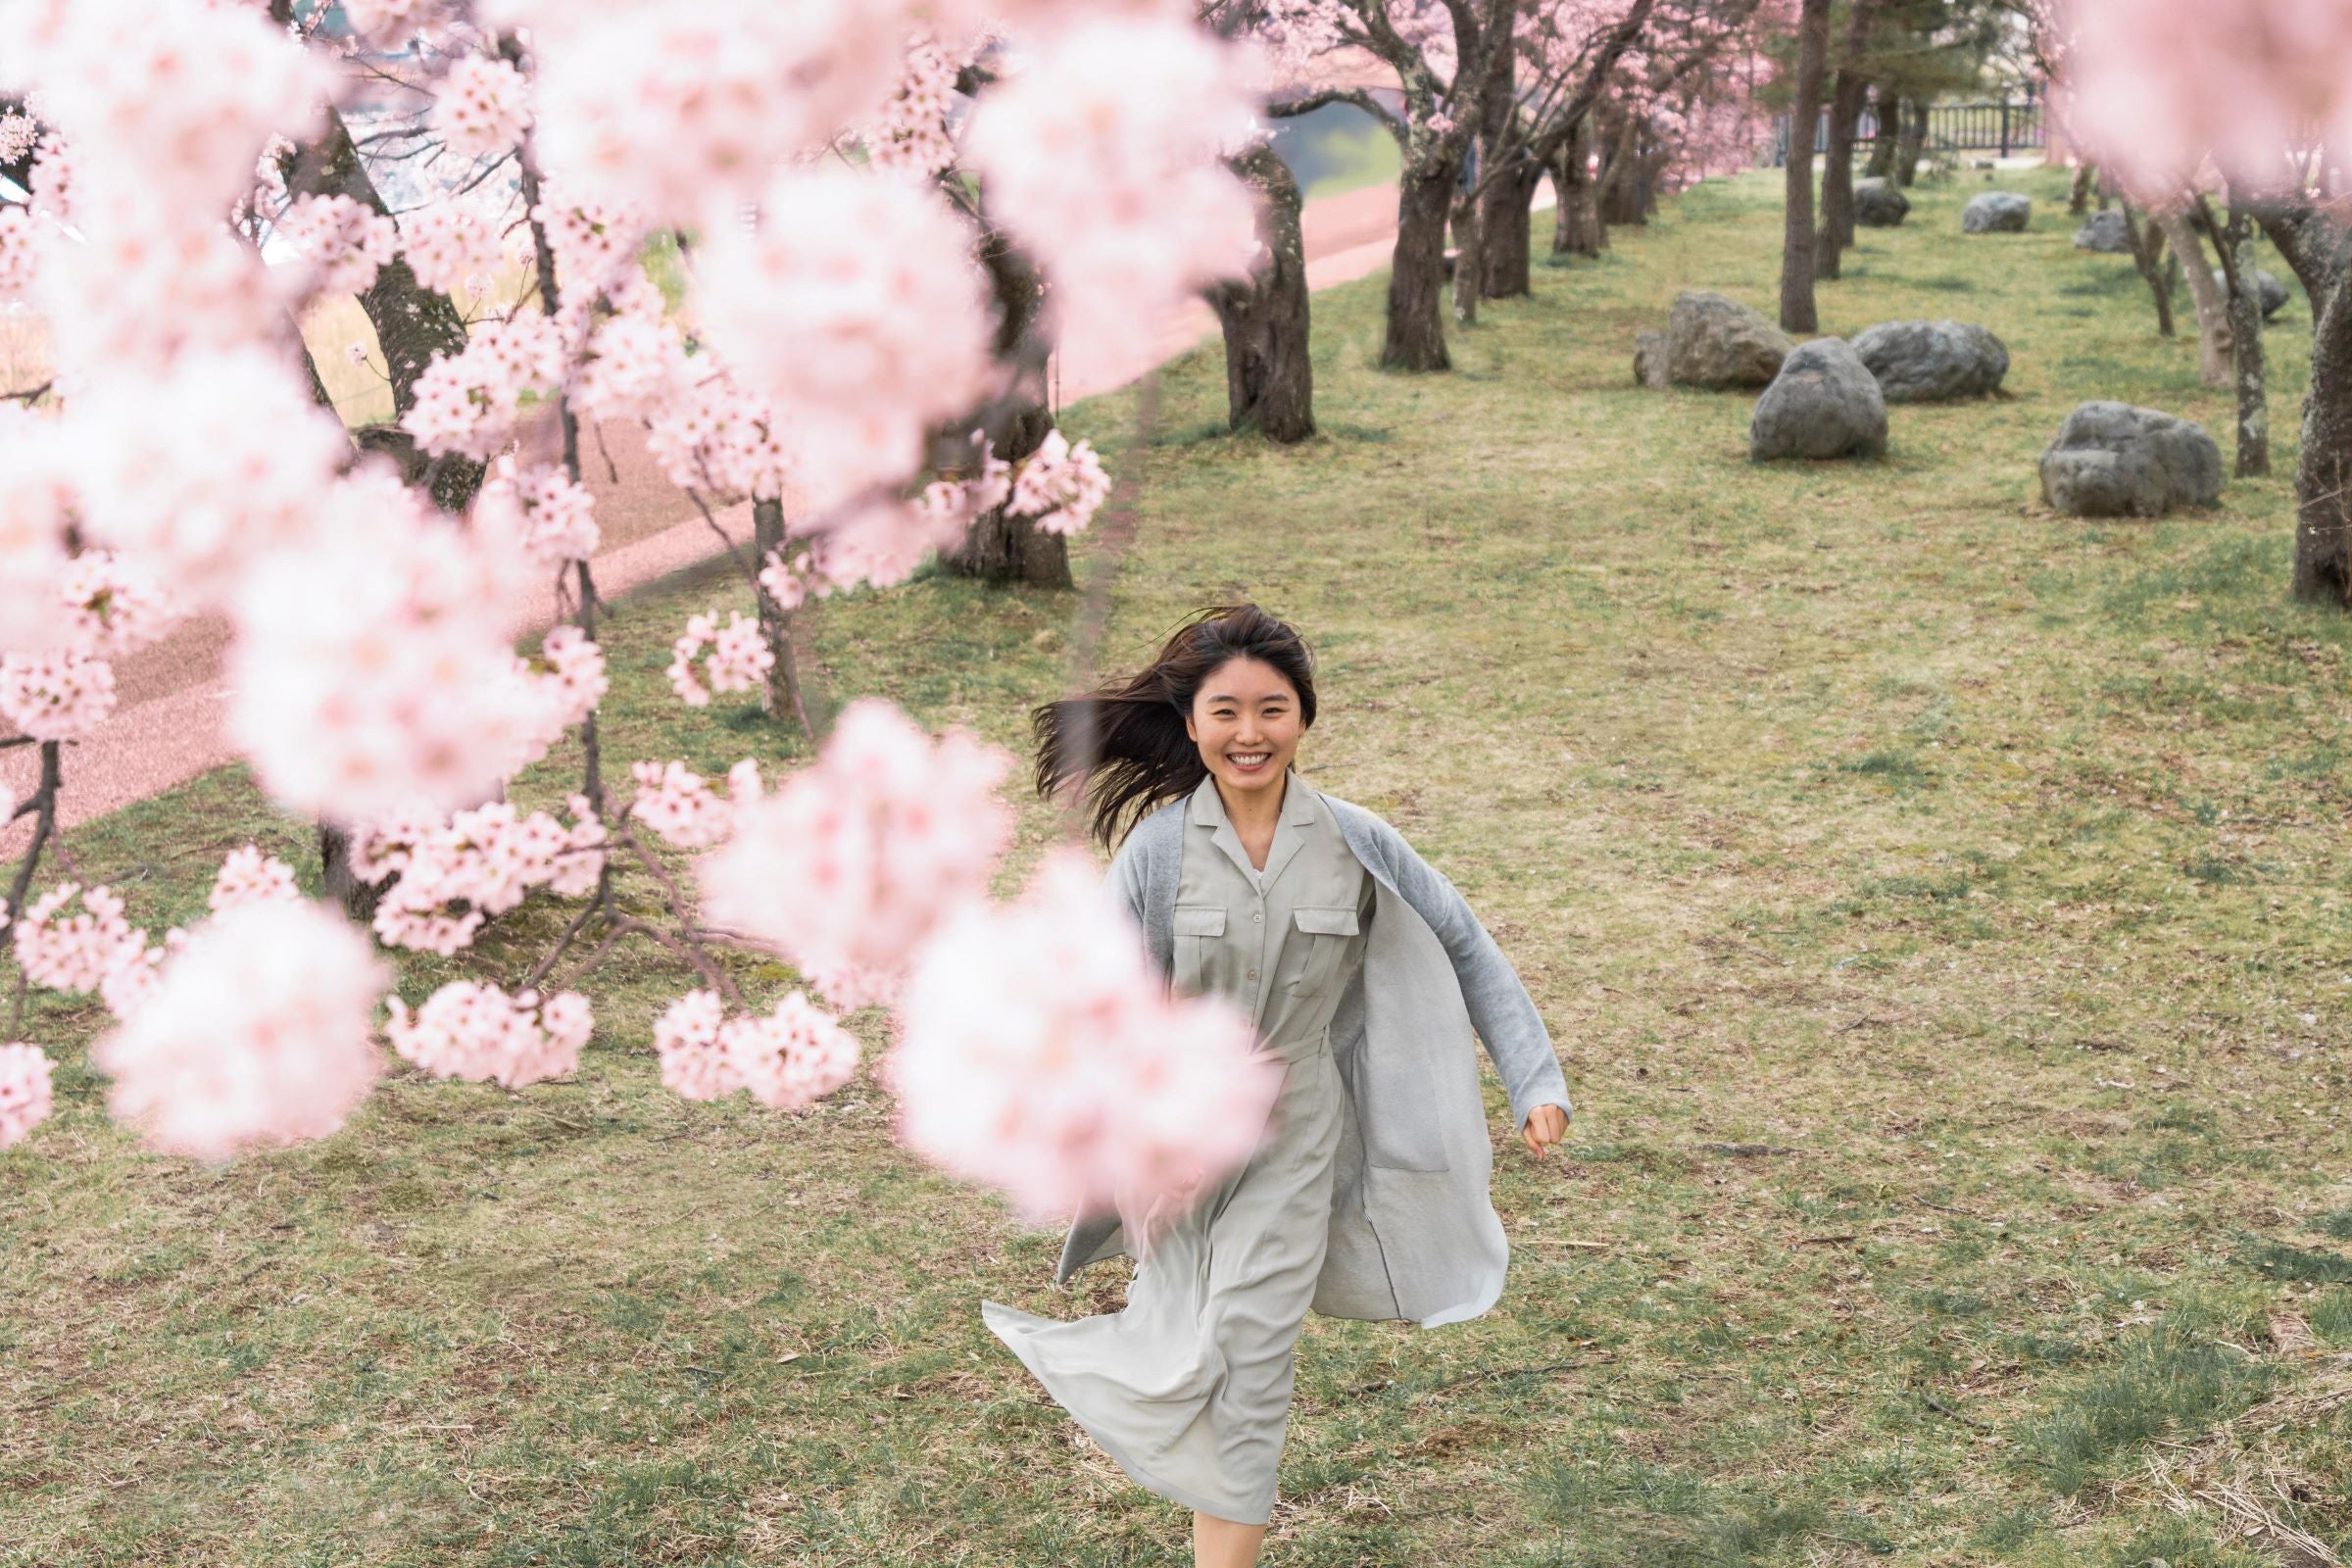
x: 1545, y: 1126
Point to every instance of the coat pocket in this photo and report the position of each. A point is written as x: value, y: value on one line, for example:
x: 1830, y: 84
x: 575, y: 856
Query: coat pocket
x: 1321, y: 934
x: 1196, y: 926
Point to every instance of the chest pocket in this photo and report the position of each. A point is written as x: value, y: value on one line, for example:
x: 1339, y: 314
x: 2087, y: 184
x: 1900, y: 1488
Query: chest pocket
x: 1310, y: 961
x: 1196, y: 926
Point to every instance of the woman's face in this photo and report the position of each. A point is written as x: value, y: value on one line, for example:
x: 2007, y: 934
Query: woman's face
x: 1245, y: 720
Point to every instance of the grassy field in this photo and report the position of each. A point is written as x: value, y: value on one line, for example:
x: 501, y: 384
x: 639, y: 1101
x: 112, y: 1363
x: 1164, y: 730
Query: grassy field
x: 1940, y: 907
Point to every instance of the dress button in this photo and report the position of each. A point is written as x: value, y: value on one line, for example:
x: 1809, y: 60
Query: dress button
x: 1253, y: 975
x: 1258, y: 915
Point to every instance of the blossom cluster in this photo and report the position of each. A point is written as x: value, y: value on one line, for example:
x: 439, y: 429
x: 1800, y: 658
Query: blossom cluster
x: 847, y: 866
x: 734, y: 657
x: 451, y: 876
x: 480, y: 1034
x: 791, y: 1056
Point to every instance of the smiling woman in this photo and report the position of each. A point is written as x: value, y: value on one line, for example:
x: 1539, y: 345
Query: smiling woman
x: 1363, y: 974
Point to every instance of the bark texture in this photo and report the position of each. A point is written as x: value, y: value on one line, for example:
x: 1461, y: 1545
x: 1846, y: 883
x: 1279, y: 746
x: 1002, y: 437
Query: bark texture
x: 2147, y: 252
x: 1797, y: 313
x: 1269, y: 379
x: 1912, y: 144
x: 1577, y: 228
x: 1507, y: 232
x: 2323, y: 470
x: 1415, y: 336
x: 1001, y: 548
x: 2213, y: 353
x: 2244, y: 307
x: 1851, y: 91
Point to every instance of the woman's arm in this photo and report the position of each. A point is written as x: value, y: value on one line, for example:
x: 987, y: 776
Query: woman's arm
x: 1501, y: 1010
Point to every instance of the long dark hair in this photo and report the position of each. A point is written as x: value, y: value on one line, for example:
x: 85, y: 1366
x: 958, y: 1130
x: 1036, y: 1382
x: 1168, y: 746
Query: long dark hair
x: 1125, y: 745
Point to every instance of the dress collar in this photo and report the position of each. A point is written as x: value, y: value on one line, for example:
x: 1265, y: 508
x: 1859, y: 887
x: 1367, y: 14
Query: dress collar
x: 1297, y: 813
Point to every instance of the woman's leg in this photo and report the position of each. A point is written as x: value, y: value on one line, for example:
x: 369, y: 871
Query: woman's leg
x: 1222, y: 1544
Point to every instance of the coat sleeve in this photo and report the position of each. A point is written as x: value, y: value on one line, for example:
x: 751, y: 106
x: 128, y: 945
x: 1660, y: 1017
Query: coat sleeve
x: 1501, y: 1010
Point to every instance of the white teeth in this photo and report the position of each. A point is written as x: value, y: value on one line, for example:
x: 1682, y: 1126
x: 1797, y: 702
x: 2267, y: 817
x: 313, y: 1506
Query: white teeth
x: 1249, y: 760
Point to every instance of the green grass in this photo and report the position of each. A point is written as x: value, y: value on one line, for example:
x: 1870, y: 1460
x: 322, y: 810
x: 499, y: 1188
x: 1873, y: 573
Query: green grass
x: 1940, y: 906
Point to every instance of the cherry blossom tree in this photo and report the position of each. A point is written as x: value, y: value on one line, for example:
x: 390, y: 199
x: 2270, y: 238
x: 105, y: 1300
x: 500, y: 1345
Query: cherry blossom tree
x: 847, y: 369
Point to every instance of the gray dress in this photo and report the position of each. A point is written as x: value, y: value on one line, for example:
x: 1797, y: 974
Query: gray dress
x: 1189, y: 1388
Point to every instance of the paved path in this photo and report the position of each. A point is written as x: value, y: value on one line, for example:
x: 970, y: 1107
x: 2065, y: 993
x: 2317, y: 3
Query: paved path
x: 167, y: 726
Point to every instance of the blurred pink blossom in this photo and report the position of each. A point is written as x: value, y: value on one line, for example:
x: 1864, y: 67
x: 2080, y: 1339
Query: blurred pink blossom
x: 56, y: 696
x: 344, y: 242
x: 256, y: 1034
x: 848, y: 865
x: 1062, y: 486
x: 484, y: 106
x: 1041, y: 1054
x: 24, y: 1090
x: 75, y: 952
x: 735, y: 658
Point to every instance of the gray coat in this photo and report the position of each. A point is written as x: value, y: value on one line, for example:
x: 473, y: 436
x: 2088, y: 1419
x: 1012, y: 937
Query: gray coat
x: 1413, y: 1233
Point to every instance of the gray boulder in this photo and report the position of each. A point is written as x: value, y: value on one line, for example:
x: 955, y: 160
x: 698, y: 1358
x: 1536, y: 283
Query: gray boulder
x: 1932, y: 362
x: 1996, y: 212
x: 1714, y: 341
x: 1880, y: 203
x: 2105, y: 232
x: 1649, y: 359
x: 2111, y: 460
x: 2267, y: 288
x: 1824, y: 404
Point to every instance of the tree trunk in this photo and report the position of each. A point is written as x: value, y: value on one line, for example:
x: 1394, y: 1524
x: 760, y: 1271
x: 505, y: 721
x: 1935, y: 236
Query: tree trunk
x: 2148, y: 249
x: 1269, y: 379
x: 782, y: 697
x: 412, y: 324
x: 1415, y: 336
x: 2244, y: 307
x: 1468, y: 257
x: 1796, y: 238
x: 2323, y: 469
x: 1001, y: 548
x: 1577, y: 228
x: 1838, y: 175
x: 2214, y: 351
x: 1620, y: 195
x: 2312, y: 244
x: 1912, y: 144
x: 1890, y: 110
x: 2077, y: 201
x: 1506, y: 232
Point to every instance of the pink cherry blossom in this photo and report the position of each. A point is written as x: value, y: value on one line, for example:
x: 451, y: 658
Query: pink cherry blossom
x: 56, y: 696
x: 781, y: 584
x: 575, y: 681
x: 484, y: 106
x: 479, y: 1034
x: 1103, y: 155
x: 683, y: 110
x: 248, y: 876
x: 635, y: 359
x: 794, y: 1057
x: 198, y: 468
x: 24, y: 1090
x: 550, y: 512
x: 373, y: 668
x: 687, y: 1038
x: 482, y: 863
x: 110, y: 608
x: 390, y: 24
x: 1041, y: 1054
x: 673, y: 800
x: 344, y: 242
x: 20, y: 251
x: 593, y: 240
x: 1062, y: 486
x: 256, y: 1035
x: 735, y: 658
x: 911, y: 133
x: 176, y: 106
x: 452, y: 247
x: 718, y: 437
x: 856, y: 307
x: 848, y: 865
x: 2266, y: 76
x: 18, y: 135
x: 468, y: 402
x: 75, y: 952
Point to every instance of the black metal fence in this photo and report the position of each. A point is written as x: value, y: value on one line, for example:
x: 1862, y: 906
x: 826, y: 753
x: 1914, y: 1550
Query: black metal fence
x: 2010, y: 125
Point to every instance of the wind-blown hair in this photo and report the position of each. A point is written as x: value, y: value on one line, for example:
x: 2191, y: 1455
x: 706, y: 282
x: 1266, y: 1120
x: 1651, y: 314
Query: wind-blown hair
x: 1123, y: 746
